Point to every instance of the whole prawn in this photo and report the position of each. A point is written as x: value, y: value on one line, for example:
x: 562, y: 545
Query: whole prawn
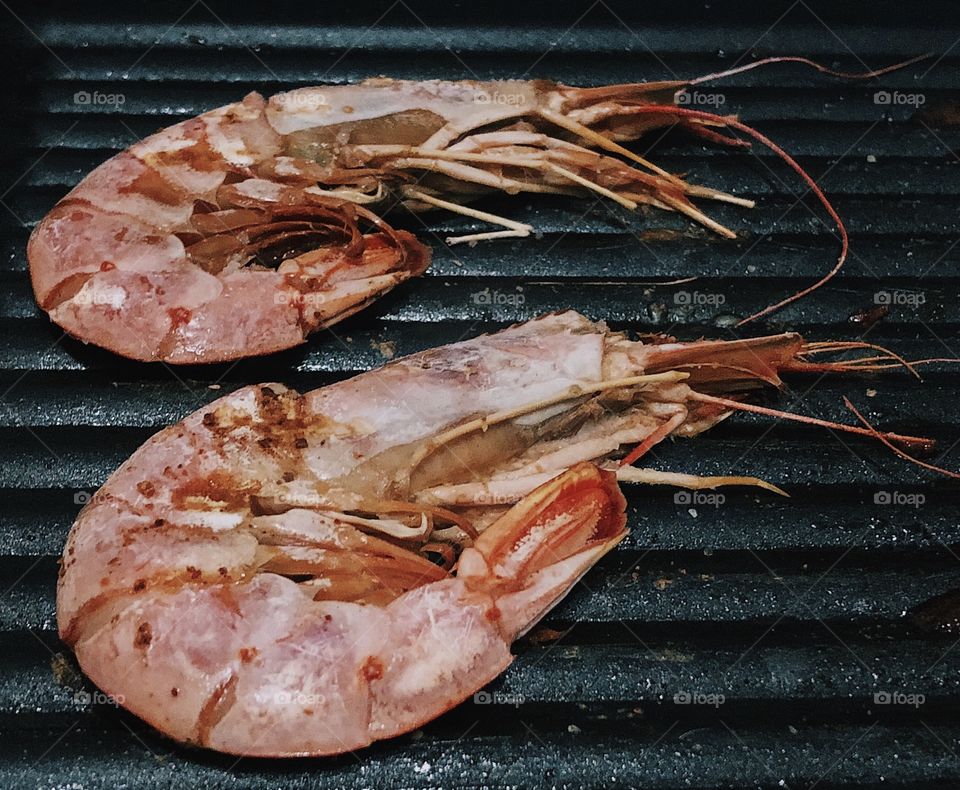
x: 284, y: 574
x: 236, y: 233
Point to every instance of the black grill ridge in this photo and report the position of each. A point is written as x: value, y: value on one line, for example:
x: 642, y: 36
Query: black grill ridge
x: 798, y: 612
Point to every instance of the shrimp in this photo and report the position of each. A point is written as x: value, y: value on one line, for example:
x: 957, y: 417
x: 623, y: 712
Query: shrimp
x: 175, y: 250
x: 283, y: 574
x: 170, y: 250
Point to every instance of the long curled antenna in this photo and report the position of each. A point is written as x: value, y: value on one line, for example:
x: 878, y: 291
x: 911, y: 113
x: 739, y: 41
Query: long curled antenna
x: 846, y: 75
x: 734, y: 123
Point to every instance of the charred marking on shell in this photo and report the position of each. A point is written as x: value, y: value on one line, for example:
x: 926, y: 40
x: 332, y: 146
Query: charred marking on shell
x: 179, y: 316
x: 218, y: 490
x: 372, y: 669
x: 144, y: 636
x: 147, y: 488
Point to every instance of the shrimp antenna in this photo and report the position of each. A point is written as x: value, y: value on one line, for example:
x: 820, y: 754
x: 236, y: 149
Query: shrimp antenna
x: 846, y: 75
x: 733, y: 123
x: 844, y: 241
x: 896, y: 450
x: 862, y: 363
x: 887, y: 438
x: 885, y: 360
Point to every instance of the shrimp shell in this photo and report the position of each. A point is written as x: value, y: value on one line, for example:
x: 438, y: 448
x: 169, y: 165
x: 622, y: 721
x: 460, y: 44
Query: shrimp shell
x: 177, y: 250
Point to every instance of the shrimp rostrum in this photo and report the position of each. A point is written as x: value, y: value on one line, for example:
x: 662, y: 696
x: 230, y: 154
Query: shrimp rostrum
x: 285, y: 574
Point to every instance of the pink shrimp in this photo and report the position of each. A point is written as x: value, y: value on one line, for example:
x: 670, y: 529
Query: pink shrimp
x: 176, y: 250
x: 235, y: 233
x: 256, y: 579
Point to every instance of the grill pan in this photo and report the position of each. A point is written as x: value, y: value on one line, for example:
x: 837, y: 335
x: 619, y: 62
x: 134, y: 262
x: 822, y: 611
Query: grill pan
x: 749, y: 642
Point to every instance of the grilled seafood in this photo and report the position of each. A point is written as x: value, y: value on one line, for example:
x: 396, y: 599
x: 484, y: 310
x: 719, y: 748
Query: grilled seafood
x: 285, y: 574
x: 235, y: 233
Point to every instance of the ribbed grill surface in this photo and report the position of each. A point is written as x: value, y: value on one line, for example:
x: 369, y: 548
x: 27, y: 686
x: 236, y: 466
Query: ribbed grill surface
x: 794, y: 612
